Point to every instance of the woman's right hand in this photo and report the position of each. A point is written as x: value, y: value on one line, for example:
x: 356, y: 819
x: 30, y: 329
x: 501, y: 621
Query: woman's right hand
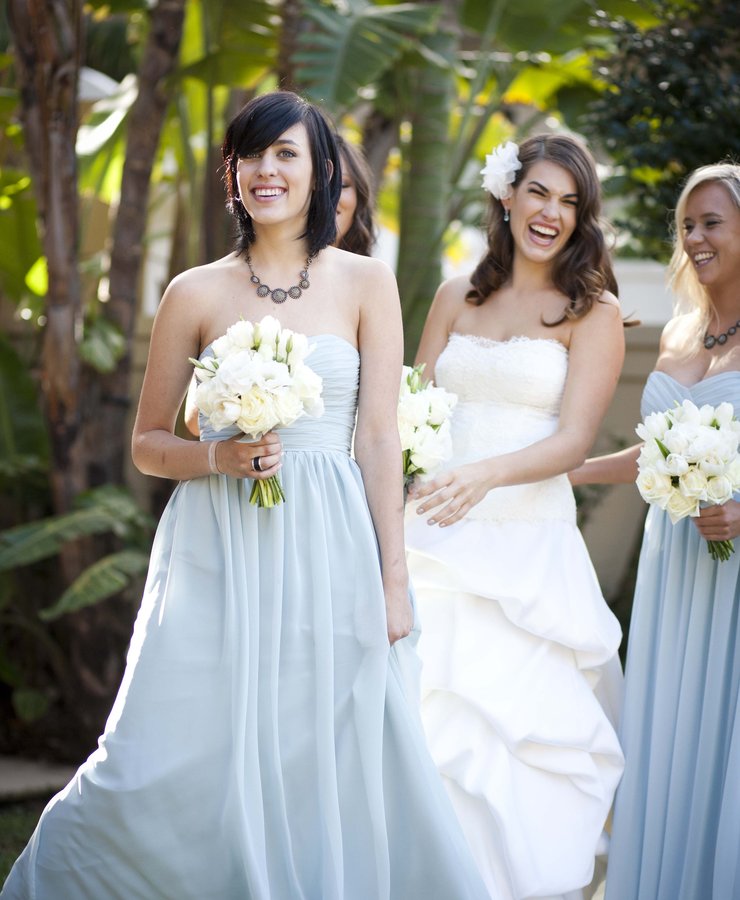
x: 236, y: 458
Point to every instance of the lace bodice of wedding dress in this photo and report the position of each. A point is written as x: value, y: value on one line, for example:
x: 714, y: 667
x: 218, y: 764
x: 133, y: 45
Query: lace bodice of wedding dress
x: 509, y: 395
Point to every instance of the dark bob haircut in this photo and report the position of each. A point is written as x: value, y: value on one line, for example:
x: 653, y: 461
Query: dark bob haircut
x: 258, y: 125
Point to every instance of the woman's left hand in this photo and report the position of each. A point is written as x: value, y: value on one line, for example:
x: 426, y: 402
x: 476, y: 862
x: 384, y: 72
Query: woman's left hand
x: 398, y: 612
x: 452, y: 494
x: 719, y: 523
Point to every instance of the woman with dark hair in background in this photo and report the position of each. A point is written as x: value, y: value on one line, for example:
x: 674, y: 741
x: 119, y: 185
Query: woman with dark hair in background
x: 355, y: 229
x: 521, y: 683
x: 677, y: 814
x: 261, y: 745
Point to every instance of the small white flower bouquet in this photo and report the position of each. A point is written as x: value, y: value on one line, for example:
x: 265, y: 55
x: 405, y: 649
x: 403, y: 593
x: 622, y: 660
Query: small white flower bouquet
x: 423, y: 424
x: 690, y: 458
x: 258, y: 380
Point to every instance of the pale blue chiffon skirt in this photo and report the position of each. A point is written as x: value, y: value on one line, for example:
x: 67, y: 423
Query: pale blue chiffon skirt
x: 261, y: 745
x: 677, y: 816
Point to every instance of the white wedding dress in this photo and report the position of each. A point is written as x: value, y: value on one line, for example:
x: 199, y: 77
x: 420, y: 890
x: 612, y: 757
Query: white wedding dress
x: 521, y: 682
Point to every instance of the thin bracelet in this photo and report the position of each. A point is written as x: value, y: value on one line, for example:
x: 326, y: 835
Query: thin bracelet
x: 212, y: 464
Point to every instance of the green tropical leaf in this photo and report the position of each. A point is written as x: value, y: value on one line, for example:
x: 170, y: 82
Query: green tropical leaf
x: 348, y: 49
x: 103, y: 579
x: 103, y: 344
x: 104, y: 509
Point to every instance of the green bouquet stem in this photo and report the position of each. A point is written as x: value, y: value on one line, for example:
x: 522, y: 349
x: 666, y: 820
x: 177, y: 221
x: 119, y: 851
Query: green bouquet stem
x: 267, y: 492
x: 721, y: 550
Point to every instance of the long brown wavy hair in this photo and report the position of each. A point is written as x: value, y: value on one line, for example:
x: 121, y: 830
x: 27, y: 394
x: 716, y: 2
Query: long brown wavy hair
x: 360, y: 235
x: 583, y: 269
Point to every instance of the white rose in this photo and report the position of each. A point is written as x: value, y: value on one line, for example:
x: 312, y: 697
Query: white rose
x: 407, y: 433
x: 712, y: 463
x: 688, y: 412
x: 675, y: 464
x: 733, y: 472
x: 655, y: 487
x: 256, y: 415
x: 241, y: 335
x: 238, y: 372
x: 441, y: 404
x: 679, y: 506
x: 654, y: 426
x: 307, y: 387
x: 431, y: 448
x: 287, y: 406
x: 678, y: 439
x: 719, y: 489
x: 705, y: 440
x: 651, y: 455
x: 222, y: 347
x: 274, y: 375
x: 724, y: 414
x: 414, y: 408
x: 693, y: 484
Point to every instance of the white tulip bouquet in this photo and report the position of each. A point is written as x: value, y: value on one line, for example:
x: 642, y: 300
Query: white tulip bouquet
x: 257, y: 380
x: 689, y: 458
x: 423, y: 424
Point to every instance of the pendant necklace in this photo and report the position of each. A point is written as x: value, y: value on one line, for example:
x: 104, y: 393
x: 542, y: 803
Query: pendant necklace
x: 710, y: 340
x: 279, y: 295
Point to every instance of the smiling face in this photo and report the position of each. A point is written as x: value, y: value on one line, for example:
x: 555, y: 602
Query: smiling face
x: 711, y: 235
x: 543, y: 210
x: 275, y: 184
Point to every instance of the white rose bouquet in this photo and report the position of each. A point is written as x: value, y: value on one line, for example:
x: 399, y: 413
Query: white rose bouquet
x: 258, y: 380
x: 690, y: 457
x: 423, y: 424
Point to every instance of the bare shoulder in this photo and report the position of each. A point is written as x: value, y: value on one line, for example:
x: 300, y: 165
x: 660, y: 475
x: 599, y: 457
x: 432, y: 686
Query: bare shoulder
x: 449, y: 300
x: 200, y: 280
x: 679, y: 331
x: 610, y: 301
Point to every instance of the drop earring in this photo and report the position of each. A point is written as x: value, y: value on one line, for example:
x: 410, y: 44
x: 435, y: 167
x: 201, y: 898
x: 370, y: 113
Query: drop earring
x: 506, y: 215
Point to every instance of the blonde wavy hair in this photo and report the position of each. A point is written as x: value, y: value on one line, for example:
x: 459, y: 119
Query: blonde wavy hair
x: 690, y: 294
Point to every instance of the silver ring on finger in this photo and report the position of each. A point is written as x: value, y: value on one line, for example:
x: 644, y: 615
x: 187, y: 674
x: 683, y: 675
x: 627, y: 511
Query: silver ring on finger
x: 257, y: 463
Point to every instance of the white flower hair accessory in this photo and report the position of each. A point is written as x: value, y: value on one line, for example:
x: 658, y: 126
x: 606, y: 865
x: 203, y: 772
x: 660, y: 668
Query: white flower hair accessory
x: 500, y: 169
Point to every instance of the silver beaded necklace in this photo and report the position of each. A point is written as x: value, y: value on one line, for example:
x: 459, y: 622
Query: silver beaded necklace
x: 280, y: 295
x: 710, y: 340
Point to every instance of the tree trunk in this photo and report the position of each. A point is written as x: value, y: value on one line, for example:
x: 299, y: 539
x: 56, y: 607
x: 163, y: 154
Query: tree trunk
x: 290, y: 28
x: 158, y: 63
x: 425, y: 185
x: 47, y: 38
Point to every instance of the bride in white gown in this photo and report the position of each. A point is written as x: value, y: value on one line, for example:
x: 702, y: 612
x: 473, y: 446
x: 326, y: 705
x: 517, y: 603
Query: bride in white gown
x: 521, y: 683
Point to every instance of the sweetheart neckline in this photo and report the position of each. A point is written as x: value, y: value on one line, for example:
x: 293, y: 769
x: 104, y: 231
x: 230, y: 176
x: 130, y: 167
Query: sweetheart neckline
x: 690, y: 387
x: 514, y: 339
x: 311, y: 337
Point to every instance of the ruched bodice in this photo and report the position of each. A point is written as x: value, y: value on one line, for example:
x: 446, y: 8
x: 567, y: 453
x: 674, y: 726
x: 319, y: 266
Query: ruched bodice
x: 509, y: 395
x: 662, y: 391
x: 338, y: 364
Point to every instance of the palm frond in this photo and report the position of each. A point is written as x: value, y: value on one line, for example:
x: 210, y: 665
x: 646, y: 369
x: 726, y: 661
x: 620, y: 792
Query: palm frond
x: 103, y: 579
x: 347, y: 50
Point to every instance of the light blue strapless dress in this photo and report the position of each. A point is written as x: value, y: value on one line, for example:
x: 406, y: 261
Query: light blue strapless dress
x: 261, y: 746
x: 677, y: 815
